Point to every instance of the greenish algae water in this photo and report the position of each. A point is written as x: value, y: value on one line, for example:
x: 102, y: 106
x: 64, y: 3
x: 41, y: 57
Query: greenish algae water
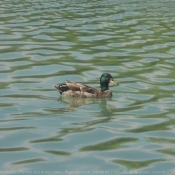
x: 44, y: 43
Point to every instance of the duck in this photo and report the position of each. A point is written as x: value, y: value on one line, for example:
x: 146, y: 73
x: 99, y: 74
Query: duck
x: 79, y: 90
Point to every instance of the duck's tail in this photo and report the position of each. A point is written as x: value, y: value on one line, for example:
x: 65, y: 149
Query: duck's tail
x: 61, y: 88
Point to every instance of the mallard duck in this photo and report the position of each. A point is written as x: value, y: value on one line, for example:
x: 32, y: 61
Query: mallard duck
x: 74, y: 89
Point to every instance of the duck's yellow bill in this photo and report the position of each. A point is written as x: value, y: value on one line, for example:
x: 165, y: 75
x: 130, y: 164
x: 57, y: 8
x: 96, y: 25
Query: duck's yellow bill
x: 113, y: 82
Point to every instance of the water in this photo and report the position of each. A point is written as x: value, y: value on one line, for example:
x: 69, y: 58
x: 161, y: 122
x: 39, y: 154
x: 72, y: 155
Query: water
x: 43, y: 43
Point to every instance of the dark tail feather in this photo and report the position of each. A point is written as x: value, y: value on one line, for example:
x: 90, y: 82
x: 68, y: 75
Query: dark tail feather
x: 62, y: 88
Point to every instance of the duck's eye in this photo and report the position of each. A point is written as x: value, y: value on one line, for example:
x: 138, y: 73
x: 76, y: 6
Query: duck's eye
x: 107, y: 79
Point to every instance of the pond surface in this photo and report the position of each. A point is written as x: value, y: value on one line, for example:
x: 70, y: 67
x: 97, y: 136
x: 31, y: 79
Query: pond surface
x: 46, y: 42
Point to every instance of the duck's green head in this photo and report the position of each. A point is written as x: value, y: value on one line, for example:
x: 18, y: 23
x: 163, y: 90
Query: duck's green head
x: 105, y: 79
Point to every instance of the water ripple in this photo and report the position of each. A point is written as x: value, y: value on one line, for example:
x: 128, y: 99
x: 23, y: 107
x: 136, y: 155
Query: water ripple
x: 45, y: 43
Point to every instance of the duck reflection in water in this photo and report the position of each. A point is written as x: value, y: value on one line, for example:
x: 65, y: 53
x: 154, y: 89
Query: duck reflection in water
x: 105, y: 108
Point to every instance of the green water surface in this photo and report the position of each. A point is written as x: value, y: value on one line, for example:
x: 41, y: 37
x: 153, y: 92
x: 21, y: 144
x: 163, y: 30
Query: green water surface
x: 46, y: 42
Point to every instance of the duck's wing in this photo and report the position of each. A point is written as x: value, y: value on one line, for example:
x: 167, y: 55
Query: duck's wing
x: 74, y: 86
x: 80, y: 87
